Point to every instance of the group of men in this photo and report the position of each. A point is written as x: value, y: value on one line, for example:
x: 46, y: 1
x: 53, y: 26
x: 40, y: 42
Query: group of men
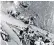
x: 28, y: 37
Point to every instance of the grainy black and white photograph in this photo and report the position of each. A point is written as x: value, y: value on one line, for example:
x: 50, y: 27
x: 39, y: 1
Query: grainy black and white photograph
x: 27, y: 23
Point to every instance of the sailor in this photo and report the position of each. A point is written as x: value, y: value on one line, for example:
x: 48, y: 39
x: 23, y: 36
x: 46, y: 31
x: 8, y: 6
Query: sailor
x: 39, y: 41
x: 31, y: 37
x: 21, y: 35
